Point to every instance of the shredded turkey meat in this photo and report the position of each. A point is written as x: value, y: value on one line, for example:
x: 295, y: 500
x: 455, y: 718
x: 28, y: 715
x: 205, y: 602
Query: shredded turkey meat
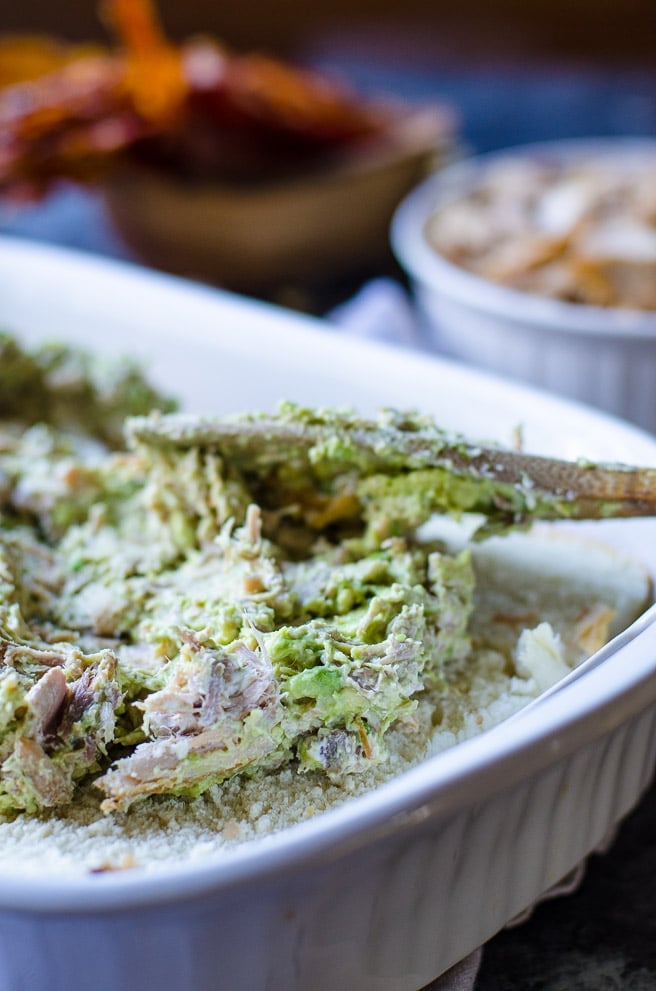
x: 224, y: 597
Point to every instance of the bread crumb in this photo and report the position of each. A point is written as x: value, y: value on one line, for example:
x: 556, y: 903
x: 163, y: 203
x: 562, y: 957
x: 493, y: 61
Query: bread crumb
x: 245, y: 809
x: 126, y: 863
x: 231, y: 830
x: 162, y: 830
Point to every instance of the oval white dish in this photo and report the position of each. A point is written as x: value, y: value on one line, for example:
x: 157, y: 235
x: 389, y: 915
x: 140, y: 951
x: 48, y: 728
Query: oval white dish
x: 388, y: 890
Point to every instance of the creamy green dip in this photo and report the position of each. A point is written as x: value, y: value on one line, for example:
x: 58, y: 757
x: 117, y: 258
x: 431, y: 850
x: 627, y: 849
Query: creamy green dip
x: 218, y: 597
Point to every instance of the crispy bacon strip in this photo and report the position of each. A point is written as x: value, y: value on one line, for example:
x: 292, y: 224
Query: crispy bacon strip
x: 71, y: 112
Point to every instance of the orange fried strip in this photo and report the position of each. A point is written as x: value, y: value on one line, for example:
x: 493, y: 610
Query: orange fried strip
x: 69, y: 112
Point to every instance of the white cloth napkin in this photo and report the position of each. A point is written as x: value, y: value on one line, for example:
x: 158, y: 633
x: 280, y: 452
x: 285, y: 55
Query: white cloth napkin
x: 380, y: 310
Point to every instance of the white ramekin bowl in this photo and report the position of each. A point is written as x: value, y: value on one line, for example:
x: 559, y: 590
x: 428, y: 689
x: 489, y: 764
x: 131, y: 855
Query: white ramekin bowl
x: 602, y: 356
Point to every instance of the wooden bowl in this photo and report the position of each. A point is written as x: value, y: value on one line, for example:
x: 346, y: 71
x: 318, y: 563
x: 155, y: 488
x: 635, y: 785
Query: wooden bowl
x: 313, y: 229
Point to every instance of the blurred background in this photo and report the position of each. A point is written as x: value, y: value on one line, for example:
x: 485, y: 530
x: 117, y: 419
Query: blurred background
x: 511, y: 71
x: 601, y: 32
x: 587, y: 66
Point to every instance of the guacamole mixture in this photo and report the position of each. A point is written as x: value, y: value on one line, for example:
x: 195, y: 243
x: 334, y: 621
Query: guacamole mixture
x: 202, y: 601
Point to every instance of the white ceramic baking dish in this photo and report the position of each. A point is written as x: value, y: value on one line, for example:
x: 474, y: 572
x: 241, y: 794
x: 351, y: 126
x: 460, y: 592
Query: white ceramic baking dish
x: 387, y: 891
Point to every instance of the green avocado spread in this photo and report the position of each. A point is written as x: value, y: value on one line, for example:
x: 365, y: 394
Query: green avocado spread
x: 174, y: 611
